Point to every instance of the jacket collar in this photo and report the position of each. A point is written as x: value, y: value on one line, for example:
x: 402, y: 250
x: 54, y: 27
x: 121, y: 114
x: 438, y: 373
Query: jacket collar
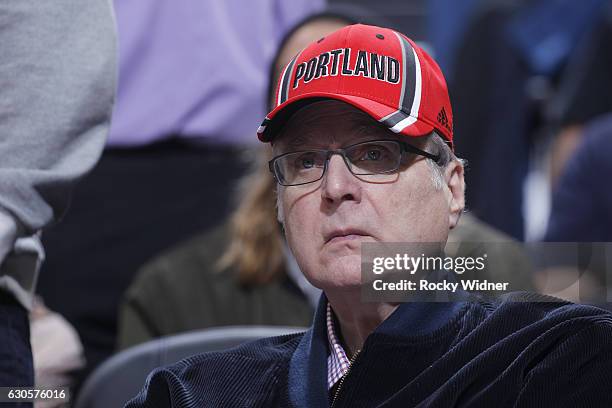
x: 308, y: 366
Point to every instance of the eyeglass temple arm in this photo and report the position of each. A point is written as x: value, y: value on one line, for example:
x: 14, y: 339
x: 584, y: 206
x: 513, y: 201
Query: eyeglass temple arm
x: 414, y: 149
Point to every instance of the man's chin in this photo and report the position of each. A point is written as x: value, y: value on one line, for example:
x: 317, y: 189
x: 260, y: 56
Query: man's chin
x: 342, y: 269
x: 342, y: 285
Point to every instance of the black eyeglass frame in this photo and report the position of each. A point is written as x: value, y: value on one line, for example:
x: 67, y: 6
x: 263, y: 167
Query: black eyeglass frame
x: 404, y: 148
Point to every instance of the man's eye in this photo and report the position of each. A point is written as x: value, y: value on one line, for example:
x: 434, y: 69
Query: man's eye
x: 304, y: 162
x: 372, y: 154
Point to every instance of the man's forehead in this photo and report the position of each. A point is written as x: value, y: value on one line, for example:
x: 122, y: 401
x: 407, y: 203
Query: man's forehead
x: 324, y: 121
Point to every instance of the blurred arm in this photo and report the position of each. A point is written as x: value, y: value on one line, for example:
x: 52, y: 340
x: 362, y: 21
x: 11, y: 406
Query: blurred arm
x: 57, y: 75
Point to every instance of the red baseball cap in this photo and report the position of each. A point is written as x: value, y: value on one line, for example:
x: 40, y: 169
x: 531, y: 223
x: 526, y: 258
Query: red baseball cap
x: 377, y: 70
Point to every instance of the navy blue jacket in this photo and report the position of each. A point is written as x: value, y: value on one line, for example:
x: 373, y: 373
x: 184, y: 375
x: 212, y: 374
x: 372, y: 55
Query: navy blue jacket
x: 461, y: 354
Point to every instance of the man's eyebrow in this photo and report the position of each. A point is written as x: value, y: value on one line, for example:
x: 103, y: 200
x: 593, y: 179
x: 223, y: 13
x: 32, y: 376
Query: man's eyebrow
x: 366, y: 129
x: 296, y: 142
x: 290, y: 144
x: 363, y: 125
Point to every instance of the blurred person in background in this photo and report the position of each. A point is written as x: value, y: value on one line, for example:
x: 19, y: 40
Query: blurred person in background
x: 191, y: 75
x: 581, y: 219
x: 506, y: 71
x: 57, y: 77
x: 585, y: 92
x: 256, y: 280
x: 57, y: 351
x: 582, y: 198
x: 240, y: 273
x: 580, y: 208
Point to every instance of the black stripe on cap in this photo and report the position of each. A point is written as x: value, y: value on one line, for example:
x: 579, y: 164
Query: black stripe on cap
x: 408, y: 76
x: 394, y: 118
x: 286, y: 80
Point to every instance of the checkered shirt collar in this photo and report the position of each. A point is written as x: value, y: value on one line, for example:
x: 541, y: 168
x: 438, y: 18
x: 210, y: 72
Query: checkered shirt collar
x: 337, y: 361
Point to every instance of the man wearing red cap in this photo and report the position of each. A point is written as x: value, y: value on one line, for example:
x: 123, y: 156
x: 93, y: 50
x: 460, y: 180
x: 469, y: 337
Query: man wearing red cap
x: 362, y: 137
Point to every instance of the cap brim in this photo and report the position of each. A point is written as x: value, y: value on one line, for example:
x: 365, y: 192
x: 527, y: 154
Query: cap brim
x: 276, y: 119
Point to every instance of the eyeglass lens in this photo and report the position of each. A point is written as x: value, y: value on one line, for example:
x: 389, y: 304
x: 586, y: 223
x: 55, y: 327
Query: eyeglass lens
x: 369, y: 158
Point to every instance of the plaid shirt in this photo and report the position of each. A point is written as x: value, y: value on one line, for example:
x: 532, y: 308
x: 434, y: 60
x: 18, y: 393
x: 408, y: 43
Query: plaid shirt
x: 337, y: 362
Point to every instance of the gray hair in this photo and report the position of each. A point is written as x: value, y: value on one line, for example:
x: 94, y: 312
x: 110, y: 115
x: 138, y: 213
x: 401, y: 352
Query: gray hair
x: 437, y: 145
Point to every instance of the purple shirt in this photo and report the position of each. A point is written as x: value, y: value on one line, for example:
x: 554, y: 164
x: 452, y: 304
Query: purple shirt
x: 198, y: 69
x: 338, y: 362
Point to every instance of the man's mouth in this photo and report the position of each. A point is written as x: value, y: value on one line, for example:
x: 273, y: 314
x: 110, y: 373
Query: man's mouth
x: 341, y: 235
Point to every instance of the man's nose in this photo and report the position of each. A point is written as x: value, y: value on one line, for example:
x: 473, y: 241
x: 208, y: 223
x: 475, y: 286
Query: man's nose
x: 339, y: 184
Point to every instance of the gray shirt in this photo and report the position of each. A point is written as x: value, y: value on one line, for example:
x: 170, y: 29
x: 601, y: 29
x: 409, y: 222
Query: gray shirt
x: 57, y: 75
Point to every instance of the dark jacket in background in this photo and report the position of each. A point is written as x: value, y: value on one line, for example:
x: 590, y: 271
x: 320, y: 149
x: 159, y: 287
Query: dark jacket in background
x: 491, y: 118
x: 585, y: 91
x: 582, y: 201
x: 182, y: 290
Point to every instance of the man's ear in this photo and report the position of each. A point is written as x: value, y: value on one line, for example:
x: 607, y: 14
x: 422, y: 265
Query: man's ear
x: 453, y: 175
x: 280, y: 215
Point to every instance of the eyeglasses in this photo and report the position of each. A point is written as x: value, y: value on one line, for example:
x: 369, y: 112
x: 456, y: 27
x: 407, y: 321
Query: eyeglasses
x: 372, y: 158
